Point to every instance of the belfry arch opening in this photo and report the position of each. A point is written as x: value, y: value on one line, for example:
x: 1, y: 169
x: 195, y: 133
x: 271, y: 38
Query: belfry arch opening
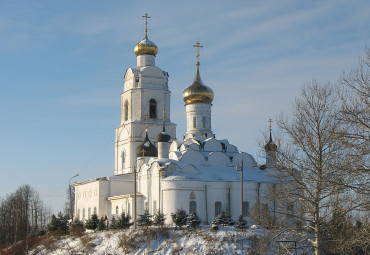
x: 152, y: 109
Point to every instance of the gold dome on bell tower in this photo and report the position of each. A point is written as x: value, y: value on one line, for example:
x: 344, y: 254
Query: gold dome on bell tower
x: 146, y: 46
x: 198, y: 92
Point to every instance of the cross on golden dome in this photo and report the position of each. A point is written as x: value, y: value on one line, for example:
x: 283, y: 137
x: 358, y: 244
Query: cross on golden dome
x: 146, y: 16
x: 197, y: 45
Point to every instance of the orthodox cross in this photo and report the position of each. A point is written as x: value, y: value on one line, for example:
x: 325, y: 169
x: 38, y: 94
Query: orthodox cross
x: 197, y: 45
x: 270, y: 120
x: 143, y: 151
x: 146, y: 16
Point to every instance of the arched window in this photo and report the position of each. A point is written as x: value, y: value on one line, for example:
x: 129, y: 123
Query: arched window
x: 204, y: 121
x: 192, y: 195
x: 245, y: 208
x: 126, y: 111
x: 194, y: 122
x: 152, y: 109
x: 95, y: 211
x: 89, y: 212
x: 117, y: 209
x: 218, y: 208
x: 123, y: 159
x: 83, y: 213
x: 192, y: 206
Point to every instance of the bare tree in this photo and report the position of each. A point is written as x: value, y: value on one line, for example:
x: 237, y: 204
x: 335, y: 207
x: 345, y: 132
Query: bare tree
x: 313, y: 164
x: 22, y: 213
x: 354, y: 114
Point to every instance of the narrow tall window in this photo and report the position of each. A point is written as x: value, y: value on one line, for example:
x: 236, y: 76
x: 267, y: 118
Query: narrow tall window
x: 152, y: 109
x: 218, y: 208
x: 126, y: 111
x: 204, y: 121
x: 192, y: 206
x: 123, y: 160
x: 117, y: 209
x: 83, y: 213
x: 78, y: 214
x: 128, y: 209
x: 95, y: 211
x: 89, y: 212
x: 194, y: 122
x: 245, y: 208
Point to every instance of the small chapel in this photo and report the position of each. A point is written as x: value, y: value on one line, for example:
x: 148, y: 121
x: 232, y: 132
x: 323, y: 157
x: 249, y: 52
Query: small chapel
x: 155, y: 171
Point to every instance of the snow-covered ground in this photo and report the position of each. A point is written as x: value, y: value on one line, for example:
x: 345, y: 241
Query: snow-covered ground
x: 158, y: 241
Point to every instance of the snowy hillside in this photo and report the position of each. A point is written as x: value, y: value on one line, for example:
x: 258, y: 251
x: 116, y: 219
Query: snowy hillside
x: 157, y: 241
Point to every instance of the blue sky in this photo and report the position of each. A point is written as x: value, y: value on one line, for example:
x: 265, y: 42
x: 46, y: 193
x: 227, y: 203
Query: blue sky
x: 62, y: 64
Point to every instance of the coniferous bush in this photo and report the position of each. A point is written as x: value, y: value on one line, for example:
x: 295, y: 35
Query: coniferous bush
x: 229, y: 221
x: 124, y: 221
x: 58, y: 224
x: 241, y: 223
x: 93, y: 222
x: 113, y: 223
x: 193, y: 220
x: 159, y: 219
x: 145, y: 220
x: 101, y: 225
x: 179, y: 218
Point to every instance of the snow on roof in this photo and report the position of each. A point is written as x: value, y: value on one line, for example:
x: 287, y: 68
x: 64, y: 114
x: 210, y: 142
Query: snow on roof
x: 222, y: 173
x: 123, y: 177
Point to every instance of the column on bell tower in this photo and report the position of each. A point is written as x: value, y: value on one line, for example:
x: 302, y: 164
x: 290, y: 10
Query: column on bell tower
x: 198, y: 102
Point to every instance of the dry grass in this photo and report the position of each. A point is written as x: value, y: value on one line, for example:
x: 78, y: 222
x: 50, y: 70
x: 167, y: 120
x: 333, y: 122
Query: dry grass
x: 77, y: 231
x: 128, y: 241
x: 85, y: 241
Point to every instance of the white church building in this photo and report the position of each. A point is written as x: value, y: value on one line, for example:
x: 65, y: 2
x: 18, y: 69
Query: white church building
x: 198, y: 173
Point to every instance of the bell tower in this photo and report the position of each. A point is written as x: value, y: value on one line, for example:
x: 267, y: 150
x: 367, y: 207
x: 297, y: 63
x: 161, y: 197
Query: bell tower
x: 145, y: 93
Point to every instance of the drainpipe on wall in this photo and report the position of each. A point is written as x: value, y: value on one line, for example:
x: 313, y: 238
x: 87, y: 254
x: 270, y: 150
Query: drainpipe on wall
x: 205, y: 193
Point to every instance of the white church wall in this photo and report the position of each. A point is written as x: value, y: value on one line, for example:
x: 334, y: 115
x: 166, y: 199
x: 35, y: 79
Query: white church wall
x: 89, y: 196
x: 104, y: 193
x: 178, y: 193
x: 217, y: 192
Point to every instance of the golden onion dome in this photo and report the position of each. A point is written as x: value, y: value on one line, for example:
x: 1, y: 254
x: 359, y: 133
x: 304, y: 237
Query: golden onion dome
x: 146, y: 46
x: 198, y: 92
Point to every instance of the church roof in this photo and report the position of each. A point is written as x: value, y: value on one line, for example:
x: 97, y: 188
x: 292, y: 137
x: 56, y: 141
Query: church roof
x: 188, y: 172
